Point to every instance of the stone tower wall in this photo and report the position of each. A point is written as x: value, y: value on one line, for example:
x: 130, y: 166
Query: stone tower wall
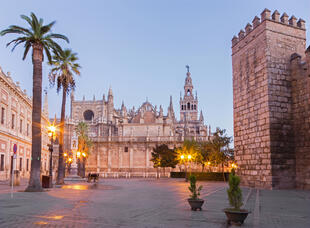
x: 300, y: 71
x: 263, y: 124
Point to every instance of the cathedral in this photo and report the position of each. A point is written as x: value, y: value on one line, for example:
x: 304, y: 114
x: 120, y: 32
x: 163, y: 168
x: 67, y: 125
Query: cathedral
x: 123, y: 139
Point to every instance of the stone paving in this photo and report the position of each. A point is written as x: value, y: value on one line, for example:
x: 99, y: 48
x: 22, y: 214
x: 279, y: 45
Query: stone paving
x: 146, y: 203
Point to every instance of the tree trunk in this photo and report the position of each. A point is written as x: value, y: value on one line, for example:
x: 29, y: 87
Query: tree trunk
x: 60, y: 177
x: 35, y: 174
x: 223, y: 172
x: 157, y: 173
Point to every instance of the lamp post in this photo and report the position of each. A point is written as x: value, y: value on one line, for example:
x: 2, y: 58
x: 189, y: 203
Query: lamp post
x: 83, y: 166
x: 185, y: 164
x: 51, y: 133
x: 78, y: 155
x: 189, y: 157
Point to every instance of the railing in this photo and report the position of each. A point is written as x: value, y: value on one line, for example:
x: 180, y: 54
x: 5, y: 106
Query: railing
x: 146, y: 139
x: 116, y: 175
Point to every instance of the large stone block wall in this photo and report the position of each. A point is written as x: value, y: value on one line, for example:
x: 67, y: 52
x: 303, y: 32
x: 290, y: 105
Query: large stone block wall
x: 282, y: 41
x: 262, y: 85
x: 112, y: 157
x: 300, y: 71
x: 251, y: 116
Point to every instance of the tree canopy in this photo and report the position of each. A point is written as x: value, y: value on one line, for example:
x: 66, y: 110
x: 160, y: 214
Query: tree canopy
x: 163, y: 157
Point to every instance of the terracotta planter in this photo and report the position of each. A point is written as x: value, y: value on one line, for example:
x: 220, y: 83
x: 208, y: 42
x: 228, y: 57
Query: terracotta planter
x: 195, y: 204
x: 236, y: 217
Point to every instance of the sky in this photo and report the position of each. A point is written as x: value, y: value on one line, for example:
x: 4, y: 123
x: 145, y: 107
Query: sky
x: 141, y: 47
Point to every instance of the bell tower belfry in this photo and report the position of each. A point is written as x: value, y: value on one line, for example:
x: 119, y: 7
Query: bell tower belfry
x: 189, y: 103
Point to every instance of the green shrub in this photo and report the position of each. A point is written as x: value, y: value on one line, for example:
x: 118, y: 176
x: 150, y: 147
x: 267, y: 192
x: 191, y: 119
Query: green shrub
x: 177, y: 174
x: 193, y: 188
x: 202, y: 176
x: 234, y: 192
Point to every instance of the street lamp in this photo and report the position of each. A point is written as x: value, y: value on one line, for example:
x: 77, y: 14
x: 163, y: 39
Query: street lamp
x: 234, y: 166
x: 51, y: 134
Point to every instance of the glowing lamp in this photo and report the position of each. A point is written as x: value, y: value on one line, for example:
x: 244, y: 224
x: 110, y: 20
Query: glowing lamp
x: 234, y: 166
x: 182, y: 156
x: 189, y: 157
x: 84, y: 155
x: 78, y: 154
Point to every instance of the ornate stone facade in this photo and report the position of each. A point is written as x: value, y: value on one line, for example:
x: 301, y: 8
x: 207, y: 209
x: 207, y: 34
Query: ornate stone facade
x: 15, y: 128
x: 271, y: 100
x: 124, y: 138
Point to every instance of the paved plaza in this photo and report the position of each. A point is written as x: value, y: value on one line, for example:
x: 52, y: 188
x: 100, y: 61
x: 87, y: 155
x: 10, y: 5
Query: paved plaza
x: 146, y: 203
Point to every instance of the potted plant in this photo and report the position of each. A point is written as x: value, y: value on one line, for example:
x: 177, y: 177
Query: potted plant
x: 235, y: 214
x: 194, y: 201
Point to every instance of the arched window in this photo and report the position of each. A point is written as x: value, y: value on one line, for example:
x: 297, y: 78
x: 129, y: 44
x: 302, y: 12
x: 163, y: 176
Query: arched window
x: 194, y: 107
x: 182, y: 107
x: 188, y: 92
x: 188, y: 106
x: 88, y: 115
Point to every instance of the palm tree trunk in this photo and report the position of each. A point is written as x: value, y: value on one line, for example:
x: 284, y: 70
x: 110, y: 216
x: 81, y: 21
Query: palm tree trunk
x: 35, y: 174
x: 60, y: 177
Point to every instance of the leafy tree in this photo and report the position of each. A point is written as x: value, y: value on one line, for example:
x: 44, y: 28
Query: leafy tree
x: 189, y: 147
x: 62, y: 74
x: 205, y: 149
x: 220, y: 153
x: 164, y: 157
x: 39, y: 38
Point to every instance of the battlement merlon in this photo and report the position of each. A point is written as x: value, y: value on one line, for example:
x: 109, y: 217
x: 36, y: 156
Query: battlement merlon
x: 267, y: 18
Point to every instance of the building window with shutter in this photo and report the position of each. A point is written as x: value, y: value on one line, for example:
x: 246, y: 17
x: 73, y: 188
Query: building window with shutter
x: 2, y: 115
x: 27, y: 164
x: 21, y: 126
x: 2, y: 162
x: 20, y: 164
x: 126, y: 149
x: 13, y: 121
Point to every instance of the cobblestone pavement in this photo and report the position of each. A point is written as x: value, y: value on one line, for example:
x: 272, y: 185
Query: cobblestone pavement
x: 146, y: 203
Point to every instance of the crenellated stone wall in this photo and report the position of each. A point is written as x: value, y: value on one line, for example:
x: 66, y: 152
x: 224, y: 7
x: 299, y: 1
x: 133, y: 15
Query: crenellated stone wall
x: 300, y: 72
x: 263, y: 88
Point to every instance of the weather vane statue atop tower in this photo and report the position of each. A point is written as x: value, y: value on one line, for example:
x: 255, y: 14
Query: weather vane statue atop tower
x: 187, y: 66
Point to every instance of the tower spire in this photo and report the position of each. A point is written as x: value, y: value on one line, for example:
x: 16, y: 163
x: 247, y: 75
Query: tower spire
x: 188, y: 104
x: 201, y: 119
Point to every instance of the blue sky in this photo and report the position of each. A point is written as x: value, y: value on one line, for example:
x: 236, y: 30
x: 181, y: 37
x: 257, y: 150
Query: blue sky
x: 140, y: 48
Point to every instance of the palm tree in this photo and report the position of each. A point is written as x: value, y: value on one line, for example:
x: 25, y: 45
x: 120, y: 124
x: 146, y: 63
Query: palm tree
x: 84, y: 143
x: 62, y: 74
x: 39, y: 38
